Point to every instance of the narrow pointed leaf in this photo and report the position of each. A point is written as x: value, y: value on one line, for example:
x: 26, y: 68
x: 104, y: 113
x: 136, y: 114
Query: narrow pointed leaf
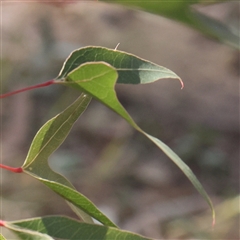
x: 102, y: 88
x: 184, y: 167
x: 78, y: 200
x: 50, y: 136
x: 46, y: 141
x: 66, y: 228
x: 131, y: 69
x: 73, y: 197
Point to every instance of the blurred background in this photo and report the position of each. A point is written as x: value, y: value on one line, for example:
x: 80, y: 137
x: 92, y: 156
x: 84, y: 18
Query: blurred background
x: 126, y: 176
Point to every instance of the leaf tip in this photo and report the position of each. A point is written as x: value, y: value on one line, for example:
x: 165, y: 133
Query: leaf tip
x: 181, y: 82
x: 213, y: 220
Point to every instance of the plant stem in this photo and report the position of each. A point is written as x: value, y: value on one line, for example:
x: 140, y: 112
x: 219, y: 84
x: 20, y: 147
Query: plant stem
x: 12, y: 169
x: 45, y: 84
x: 2, y: 224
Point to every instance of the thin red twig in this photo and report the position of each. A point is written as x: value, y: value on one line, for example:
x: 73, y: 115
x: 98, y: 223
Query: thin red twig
x: 45, y: 84
x: 12, y: 169
x: 2, y: 224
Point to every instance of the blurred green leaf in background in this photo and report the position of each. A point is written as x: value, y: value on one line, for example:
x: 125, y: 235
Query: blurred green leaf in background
x: 185, y: 12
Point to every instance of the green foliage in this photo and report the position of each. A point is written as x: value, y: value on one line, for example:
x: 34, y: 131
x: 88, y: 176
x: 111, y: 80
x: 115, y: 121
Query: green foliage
x: 183, y: 11
x: 100, y: 83
x: 66, y: 228
x: 95, y: 71
x: 130, y: 68
x: 47, y: 140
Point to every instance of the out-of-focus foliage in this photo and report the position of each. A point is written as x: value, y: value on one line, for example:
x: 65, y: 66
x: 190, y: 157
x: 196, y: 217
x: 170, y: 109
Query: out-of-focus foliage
x: 185, y: 12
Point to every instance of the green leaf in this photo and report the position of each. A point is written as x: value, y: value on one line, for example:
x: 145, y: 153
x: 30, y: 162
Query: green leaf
x: 213, y: 28
x: 26, y: 233
x: 50, y: 136
x: 183, y: 12
x: 66, y: 228
x: 2, y: 237
x: 184, y: 167
x: 47, y: 140
x: 131, y: 69
x: 78, y: 200
x: 80, y: 213
x: 102, y: 88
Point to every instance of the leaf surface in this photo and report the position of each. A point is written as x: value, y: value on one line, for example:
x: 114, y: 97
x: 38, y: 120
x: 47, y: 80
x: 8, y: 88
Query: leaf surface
x: 131, y: 69
x: 50, y: 136
x: 27, y: 233
x: 103, y: 89
x: 78, y: 200
x: 59, y: 227
x: 47, y: 140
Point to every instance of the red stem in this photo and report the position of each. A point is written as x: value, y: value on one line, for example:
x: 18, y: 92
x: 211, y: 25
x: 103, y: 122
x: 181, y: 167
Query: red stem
x: 2, y: 224
x: 181, y: 82
x: 12, y: 169
x: 45, y: 84
x: 213, y: 223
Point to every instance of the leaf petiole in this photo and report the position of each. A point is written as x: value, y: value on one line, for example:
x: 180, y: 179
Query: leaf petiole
x: 45, y: 84
x: 2, y: 224
x: 12, y: 169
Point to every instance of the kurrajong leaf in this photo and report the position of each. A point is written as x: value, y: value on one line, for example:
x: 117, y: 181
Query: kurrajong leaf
x: 47, y: 140
x: 26, y: 233
x: 131, y: 69
x: 97, y: 79
x: 59, y: 227
x: 50, y: 136
x: 102, y: 88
